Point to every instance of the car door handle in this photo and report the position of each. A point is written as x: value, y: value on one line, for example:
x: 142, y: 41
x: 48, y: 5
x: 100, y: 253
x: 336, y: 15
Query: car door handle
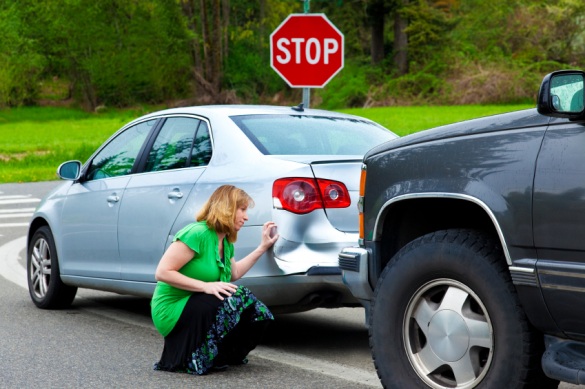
x: 174, y: 195
x: 113, y: 199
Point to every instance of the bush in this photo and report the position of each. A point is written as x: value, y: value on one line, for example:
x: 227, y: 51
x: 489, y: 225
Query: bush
x: 351, y: 88
x: 415, y: 88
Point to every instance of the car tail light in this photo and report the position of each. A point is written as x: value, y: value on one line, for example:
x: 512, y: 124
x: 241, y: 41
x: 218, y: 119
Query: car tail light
x: 304, y: 195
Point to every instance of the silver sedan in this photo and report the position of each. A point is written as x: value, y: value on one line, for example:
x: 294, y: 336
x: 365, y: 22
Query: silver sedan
x: 108, y: 224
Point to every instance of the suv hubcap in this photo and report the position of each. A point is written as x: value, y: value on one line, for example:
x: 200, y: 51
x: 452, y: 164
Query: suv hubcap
x: 448, y: 335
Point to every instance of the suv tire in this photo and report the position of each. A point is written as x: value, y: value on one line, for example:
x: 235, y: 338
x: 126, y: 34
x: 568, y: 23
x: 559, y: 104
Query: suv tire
x: 445, y: 314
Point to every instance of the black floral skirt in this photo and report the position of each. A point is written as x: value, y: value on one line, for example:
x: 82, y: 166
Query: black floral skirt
x: 214, y: 333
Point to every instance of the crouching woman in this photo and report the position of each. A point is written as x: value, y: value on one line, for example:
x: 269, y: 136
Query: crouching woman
x: 208, y: 322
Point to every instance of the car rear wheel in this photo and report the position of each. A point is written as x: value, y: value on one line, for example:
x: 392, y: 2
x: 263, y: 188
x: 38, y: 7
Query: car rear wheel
x: 44, y: 282
x: 446, y: 315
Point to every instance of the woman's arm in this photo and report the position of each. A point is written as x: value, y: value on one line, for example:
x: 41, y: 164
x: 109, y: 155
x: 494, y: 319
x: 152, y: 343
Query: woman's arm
x: 242, y: 266
x: 176, y: 256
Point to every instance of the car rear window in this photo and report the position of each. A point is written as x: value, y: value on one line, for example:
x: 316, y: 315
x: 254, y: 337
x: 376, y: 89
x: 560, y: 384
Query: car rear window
x: 311, y: 135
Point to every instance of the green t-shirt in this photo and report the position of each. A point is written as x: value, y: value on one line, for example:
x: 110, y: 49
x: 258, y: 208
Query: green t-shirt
x: 168, y: 301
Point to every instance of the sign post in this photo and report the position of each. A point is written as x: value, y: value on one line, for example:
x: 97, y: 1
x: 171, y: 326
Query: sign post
x: 306, y: 50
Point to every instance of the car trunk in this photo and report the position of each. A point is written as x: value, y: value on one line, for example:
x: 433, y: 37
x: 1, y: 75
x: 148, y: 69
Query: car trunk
x: 338, y: 168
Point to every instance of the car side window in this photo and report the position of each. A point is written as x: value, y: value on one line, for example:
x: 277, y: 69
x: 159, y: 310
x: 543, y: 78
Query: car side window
x: 201, y: 153
x: 179, y: 144
x: 118, y: 156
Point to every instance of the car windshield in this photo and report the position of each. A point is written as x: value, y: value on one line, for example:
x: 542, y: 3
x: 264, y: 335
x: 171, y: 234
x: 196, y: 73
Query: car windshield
x: 312, y: 135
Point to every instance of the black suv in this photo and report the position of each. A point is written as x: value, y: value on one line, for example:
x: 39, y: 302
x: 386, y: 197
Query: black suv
x: 471, y: 263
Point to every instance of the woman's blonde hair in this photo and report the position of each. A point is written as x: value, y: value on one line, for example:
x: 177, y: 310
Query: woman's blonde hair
x: 220, y: 210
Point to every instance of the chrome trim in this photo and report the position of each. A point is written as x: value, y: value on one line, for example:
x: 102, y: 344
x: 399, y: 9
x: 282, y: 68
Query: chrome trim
x: 347, y: 256
x: 562, y: 273
x: 522, y: 269
x: 448, y: 196
x: 567, y: 288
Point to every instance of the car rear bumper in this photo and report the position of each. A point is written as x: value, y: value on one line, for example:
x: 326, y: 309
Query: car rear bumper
x: 319, y: 287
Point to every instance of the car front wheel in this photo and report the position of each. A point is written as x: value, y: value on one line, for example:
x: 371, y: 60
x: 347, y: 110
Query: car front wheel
x: 446, y: 315
x: 44, y: 282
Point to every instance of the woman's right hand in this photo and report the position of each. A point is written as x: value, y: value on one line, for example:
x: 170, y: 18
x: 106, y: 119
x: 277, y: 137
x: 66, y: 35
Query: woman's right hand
x: 220, y: 289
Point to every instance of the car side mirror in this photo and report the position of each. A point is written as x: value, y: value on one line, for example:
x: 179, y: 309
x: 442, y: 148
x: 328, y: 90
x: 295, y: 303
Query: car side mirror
x: 561, y: 94
x: 69, y: 170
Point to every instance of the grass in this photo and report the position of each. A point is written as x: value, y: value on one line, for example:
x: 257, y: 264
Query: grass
x: 34, y: 141
x: 407, y: 120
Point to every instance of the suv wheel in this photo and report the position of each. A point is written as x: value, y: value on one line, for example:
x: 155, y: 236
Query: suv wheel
x: 44, y: 282
x: 446, y: 314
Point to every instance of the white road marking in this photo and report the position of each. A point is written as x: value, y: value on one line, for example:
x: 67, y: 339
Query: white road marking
x: 15, y: 197
x: 14, y: 214
x: 13, y: 225
x: 336, y: 370
x: 17, y: 210
x: 13, y: 271
x: 20, y: 200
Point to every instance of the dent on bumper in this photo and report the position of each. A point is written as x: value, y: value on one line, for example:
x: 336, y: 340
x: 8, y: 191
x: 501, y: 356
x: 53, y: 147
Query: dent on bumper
x: 299, y: 257
x: 353, y: 262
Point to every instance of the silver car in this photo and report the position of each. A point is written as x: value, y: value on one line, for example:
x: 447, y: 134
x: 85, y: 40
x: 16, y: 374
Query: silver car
x: 108, y: 225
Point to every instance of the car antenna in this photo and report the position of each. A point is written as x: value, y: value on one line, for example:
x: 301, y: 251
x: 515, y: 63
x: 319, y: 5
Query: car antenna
x: 298, y: 108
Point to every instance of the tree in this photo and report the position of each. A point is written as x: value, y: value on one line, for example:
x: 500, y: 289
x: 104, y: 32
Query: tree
x: 21, y: 65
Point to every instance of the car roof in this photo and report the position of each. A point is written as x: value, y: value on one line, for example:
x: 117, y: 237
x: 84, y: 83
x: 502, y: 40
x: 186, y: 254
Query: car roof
x: 243, y: 109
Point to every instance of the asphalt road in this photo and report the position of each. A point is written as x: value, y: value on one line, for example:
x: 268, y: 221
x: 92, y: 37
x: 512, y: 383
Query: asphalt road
x: 106, y: 340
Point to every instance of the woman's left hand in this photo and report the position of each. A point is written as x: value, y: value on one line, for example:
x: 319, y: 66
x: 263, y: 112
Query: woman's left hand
x: 269, y: 235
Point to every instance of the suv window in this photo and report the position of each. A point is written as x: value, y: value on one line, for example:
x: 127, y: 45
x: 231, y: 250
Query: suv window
x: 118, y: 156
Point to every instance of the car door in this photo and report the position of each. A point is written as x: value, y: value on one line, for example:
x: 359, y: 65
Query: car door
x: 559, y: 226
x: 153, y: 199
x: 89, y: 240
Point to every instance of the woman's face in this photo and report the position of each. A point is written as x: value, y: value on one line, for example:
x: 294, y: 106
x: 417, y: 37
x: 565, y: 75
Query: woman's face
x: 241, y: 217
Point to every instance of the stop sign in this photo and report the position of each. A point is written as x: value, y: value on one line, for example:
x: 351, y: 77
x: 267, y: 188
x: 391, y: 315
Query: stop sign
x: 306, y: 50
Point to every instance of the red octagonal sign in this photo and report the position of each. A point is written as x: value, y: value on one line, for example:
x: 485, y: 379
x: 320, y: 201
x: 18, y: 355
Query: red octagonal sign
x: 306, y: 50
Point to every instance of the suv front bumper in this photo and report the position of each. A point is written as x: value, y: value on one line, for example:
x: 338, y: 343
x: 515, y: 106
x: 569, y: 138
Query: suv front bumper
x: 353, y: 262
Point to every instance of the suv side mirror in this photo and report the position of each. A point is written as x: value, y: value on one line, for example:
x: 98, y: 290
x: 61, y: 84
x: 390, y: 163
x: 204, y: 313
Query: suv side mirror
x: 561, y: 94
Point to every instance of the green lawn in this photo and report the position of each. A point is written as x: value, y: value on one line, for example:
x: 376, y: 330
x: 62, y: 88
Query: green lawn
x: 406, y: 120
x: 35, y: 140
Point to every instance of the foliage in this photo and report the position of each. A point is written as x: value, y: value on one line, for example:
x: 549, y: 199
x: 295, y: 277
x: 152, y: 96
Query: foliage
x: 113, y: 52
x: 429, y: 24
x: 119, y: 53
x: 352, y: 87
x: 249, y: 53
x: 20, y: 62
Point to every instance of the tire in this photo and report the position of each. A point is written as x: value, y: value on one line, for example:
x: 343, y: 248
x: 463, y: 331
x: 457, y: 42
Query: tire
x: 445, y: 314
x: 44, y: 281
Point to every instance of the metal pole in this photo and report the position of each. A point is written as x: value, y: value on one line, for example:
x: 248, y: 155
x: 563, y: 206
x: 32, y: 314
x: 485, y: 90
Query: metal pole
x: 306, y: 91
x: 306, y: 97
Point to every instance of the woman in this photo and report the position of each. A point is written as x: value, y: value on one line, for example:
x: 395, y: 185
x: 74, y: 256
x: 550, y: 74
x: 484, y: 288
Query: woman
x: 206, y: 321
